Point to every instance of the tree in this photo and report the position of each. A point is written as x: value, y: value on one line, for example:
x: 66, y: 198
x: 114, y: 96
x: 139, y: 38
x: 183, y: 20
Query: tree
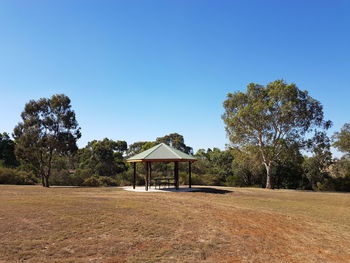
x: 176, y: 141
x: 104, y: 158
x: 288, y: 171
x: 342, y: 139
x: 48, y: 129
x: 137, y: 147
x: 316, y: 167
x: 7, y: 151
x: 271, y: 117
x: 214, y: 164
x: 247, y: 167
x: 221, y: 162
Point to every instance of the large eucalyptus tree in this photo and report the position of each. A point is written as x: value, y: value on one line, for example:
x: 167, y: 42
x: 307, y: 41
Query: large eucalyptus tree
x: 270, y: 118
x: 48, y: 129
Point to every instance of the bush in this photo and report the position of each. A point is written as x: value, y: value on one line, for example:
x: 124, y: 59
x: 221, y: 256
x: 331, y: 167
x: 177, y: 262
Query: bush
x: 14, y: 176
x: 341, y: 184
x: 234, y: 180
x: 65, y: 177
x: 91, y: 181
x: 203, y: 179
x: 107, y: 181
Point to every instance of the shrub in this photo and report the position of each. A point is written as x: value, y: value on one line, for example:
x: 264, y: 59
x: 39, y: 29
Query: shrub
x: 203, y: 179
x: 14, y: 176
x: 233, y: 180
x: 91, y: 181
x: 107, y: 181
x: 335, y: 184
x: 65, y: 177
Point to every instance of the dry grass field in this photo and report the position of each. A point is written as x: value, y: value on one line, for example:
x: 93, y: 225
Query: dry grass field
x: 113, y: 225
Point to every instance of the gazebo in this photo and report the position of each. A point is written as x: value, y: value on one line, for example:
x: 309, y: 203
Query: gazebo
x: 162, y: 153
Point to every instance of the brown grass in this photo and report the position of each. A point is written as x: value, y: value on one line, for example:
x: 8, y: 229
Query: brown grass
x: 112, y: 225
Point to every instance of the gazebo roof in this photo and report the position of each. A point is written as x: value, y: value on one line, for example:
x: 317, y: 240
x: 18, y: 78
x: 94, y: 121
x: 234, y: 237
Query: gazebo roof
x: 161, y: 153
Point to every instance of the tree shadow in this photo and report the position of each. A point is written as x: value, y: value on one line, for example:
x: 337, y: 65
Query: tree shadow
x: 211, y: 191
x: 208, y: 190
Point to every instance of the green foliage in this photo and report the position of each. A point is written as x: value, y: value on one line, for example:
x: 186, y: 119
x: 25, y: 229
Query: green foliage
x: 103, y: 158
x: 176, y: 141
x: 91, y: 181
x: 247, y: 168
x: 108, y: 181
x: 340, y: 167
x: 342, y: 139
x: 136, y: 148
x: 316, y: 167
x: 148, y: 145
x: 341, y: 184
x: 66, y: 177
x: 205, y: 179
x: 270, y: 118
x: 213, y: 167
x: 15, y: 176
x: 48, y: 129
x: 100, y: 181
x: 7, y: 151
x: 288, y: 171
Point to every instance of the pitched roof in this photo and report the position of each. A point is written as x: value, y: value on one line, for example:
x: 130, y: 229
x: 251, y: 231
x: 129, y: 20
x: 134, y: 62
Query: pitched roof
x: 161, y: 152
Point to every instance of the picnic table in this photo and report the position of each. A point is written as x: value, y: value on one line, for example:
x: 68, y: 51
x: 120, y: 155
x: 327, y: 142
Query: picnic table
x: 163, y: 181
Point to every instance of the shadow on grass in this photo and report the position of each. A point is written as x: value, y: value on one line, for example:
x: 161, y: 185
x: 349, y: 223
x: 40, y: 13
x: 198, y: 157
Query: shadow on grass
x: 208, y: 190
x: 211, y: 191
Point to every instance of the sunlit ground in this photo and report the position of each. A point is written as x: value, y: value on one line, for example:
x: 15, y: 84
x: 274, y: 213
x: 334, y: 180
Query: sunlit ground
x: 113, y: 225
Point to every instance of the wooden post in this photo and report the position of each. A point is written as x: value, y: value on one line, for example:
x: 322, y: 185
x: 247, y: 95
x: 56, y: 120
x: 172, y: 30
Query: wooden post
x: 189, y: 175
x: 176, y: 175
x: 150, y: 175
x: 134, y: 179
x: 146, y: 184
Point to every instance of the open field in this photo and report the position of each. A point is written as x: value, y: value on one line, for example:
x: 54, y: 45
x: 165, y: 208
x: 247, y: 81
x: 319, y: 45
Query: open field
x: 112, y: 225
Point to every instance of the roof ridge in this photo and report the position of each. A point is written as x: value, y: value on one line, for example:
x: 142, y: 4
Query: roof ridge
x: 172, y: 150
x: 155, y: 148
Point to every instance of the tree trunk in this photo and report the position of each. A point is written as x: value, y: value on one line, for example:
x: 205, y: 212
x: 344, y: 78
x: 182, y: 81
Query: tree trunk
x: 268, y: 176
x: 42, y: 180
x: 46, y: 179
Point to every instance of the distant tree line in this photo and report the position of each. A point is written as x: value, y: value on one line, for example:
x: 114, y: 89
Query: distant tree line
x: 277, y: 139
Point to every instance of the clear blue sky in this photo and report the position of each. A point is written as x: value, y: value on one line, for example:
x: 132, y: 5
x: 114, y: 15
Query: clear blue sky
x: 137, y: 70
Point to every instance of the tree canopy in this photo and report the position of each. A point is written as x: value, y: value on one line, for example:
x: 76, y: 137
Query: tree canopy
x: 7, y: 151
x: 176, y: 141
x: 103, y: 158
x: 342, y: 139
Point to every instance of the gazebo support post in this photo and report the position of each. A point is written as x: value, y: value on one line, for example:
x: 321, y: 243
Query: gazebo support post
x: 189, y: 175
x: 146, y: 184
x: 150, y: 175
x: 176, y: 175
x: 134, y: 177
